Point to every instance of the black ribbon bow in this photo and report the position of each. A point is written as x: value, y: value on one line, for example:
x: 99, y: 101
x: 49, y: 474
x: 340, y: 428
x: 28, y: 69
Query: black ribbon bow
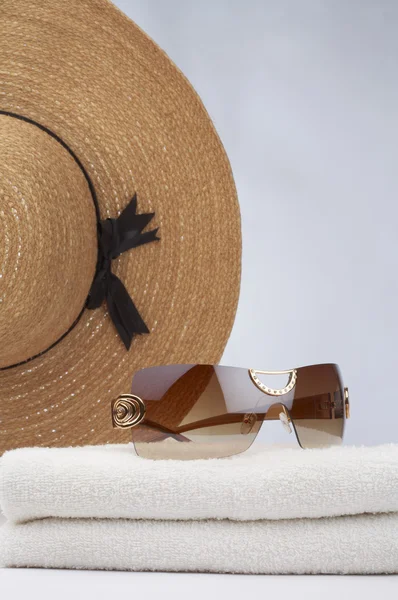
x: 115, y: 236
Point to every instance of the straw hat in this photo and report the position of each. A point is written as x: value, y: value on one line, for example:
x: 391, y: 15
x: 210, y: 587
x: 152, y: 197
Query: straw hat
x: 102, y: 142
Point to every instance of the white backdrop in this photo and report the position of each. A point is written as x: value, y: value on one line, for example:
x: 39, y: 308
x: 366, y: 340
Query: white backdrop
x: 304, y: 96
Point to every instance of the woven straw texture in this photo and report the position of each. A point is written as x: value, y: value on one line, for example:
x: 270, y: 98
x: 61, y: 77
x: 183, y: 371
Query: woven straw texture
x: 86, y: 72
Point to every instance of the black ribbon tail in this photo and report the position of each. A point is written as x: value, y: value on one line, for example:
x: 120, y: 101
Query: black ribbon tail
x: 115, y: 237
x: 97, y: 291
x: 130, y: 226
x: 123, y: 311
x: 128, y: 213
x: 148, y: 236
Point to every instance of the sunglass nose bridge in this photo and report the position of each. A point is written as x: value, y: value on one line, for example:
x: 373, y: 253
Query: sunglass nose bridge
x: 285, y: 419
x: 248, y: 423
x: 279, y: 411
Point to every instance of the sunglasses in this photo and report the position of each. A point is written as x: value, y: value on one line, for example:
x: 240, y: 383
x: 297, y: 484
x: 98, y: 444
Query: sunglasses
x: 206, y: 411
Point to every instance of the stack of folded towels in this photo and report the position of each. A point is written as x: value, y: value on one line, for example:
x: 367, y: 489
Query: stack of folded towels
x: 265, y: 511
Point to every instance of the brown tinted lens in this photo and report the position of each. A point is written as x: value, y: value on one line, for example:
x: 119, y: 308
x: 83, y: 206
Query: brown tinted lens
x: 317, y: 406
x: 195, y: 411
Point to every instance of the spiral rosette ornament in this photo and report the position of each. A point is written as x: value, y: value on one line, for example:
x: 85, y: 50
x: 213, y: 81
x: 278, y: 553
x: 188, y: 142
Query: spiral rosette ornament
x: 127, y: 411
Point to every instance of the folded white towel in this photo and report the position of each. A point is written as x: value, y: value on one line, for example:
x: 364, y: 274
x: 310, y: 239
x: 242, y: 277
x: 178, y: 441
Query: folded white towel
x: 111, y: 482
x: 356, y: 544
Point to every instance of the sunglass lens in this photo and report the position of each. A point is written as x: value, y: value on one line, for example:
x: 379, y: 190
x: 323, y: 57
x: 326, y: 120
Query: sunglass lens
x: 318, y: 410
x: 195, y: 411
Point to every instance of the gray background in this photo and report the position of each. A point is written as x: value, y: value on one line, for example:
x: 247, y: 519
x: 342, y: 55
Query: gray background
x: 304, y: 95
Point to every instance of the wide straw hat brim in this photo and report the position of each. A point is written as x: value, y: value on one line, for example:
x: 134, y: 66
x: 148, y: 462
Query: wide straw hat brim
x: 85, y: 71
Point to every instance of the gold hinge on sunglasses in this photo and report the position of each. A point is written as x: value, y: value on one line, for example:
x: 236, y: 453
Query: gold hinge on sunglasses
x: 346, y: 403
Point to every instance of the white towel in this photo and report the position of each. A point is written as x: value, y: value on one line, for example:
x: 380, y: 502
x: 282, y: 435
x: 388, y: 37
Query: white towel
x: 356, y: 544
x: 111, y: 482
